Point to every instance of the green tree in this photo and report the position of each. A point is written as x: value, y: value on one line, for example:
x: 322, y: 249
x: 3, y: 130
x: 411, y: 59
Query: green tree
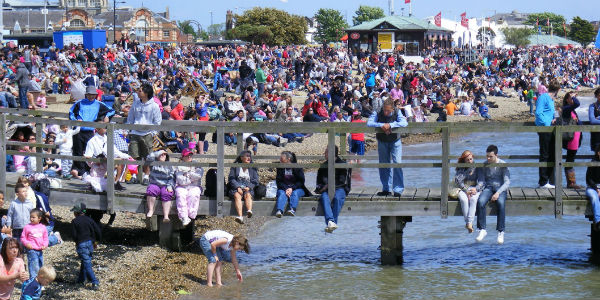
x: 216, y: 31
x: 556, y: 21
x: 582, y: 31
x: 367, y: 13
x: 518, y: 37
x: 187, y: 28
x: 269, y: 26
x: 330, y: 26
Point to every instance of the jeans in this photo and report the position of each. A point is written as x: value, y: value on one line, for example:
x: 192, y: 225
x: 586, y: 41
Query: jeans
x: 85, y: 251
x: 391, y: 152
x: 530, y: 103
x: 54, y: 88
x: 546, y: 143
x: 282, y: 199
x: 484, y: 198
x: 35, y: 260
x: 592, y: 195
x: 223, y: 255
x: 7, y: 100
x: 331, y: 210
x: 292, y: 136
x: 468, y: 206
x: 230, y: 139
x: 52, y: 239
x: 23, y: 97
x: 261, y: 88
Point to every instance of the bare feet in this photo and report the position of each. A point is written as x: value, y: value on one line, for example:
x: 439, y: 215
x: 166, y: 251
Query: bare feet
x: 469, y: 227
x: 209, y: 284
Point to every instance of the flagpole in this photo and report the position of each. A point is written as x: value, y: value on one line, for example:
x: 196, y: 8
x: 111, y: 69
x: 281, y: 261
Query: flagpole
x: 410, y: 9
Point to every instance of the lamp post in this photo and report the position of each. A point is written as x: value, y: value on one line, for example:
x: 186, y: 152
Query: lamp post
x: 115, y: 19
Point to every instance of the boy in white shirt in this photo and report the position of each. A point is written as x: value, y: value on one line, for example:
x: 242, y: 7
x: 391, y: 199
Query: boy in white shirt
x: 97, y: 148
x: 64, y: 141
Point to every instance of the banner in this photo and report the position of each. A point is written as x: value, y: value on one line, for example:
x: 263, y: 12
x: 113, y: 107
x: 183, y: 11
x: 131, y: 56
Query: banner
x: 406, y: 1
x: 385, y: 40
x: 74, y: 38
x: 463, y: 20
x: 438, y: 19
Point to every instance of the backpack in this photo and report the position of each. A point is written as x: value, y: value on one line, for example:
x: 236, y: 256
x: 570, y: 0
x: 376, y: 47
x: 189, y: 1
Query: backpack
x: 42, y: 186
x: 211, y: 183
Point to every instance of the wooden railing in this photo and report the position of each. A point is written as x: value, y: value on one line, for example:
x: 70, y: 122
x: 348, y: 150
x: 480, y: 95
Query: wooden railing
x: 443, y: 162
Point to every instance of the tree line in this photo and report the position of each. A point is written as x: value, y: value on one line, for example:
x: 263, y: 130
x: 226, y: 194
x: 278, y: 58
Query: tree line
x: 277, y: 27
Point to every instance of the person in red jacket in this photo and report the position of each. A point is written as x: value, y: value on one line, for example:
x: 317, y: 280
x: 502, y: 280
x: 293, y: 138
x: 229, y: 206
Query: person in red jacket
x: 357, y: 140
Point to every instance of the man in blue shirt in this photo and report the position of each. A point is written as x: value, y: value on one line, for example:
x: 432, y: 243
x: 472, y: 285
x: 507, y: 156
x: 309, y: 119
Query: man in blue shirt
x: 88, y: 109
x: 544, y: 116
x: 389, y: 146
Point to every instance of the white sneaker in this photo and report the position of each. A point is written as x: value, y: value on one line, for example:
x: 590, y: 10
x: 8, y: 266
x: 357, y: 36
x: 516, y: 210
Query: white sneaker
x: 500, y: 237
x: 547, y: 186
x: 331, y: 226
x: 239, y: 220
x: 186, y: 221
x: 481, y: 235
x: 57, y: 235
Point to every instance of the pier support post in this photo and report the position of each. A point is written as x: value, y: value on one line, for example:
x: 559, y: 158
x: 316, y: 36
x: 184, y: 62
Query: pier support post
x: 595, y: 243
x: 392, y: 230
x: 173, y: 235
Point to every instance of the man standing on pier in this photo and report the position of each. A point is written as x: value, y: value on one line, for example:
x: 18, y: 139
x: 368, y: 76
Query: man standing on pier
x: 389, y: 147
x: 544, y: 116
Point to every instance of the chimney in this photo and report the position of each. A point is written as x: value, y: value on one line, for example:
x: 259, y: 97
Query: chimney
x: 167, y: 13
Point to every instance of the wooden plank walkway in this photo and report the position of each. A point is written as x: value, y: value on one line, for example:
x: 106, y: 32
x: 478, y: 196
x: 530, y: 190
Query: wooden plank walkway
x: 360, y: 202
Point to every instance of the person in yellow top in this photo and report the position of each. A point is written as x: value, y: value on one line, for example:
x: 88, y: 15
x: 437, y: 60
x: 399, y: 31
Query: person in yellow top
x: 451, y: 107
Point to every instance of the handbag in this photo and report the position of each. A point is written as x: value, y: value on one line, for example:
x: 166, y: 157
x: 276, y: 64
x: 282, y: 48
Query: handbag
x: 453, y: 191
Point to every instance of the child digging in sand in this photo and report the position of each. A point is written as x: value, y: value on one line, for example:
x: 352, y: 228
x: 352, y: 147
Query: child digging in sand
x: 219, y: 246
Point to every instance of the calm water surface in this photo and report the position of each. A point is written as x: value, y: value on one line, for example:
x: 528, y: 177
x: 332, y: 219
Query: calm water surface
x: 542, y: 258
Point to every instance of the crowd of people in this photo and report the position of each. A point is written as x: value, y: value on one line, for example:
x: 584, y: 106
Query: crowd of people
x: 147, y: 84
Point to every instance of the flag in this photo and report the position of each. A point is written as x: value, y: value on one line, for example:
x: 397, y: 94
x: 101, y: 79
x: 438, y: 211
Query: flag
x: 438, y: 19
x: 548, y: 22
x: 537, y: 22
x: 463, y: 20
x: 598, y: 40
x: 406, y: 1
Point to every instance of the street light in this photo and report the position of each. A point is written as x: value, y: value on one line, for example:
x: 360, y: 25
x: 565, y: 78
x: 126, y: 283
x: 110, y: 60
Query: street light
x: 50, y: 28
x: 115, y: 19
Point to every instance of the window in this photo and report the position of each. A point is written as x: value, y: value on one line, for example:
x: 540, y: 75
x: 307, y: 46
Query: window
x: 71, y: 3
x: 82, y: 3
x: 95, y: 3
x: 140, y: 28
x: 77, y: 23
x: 166, y: 34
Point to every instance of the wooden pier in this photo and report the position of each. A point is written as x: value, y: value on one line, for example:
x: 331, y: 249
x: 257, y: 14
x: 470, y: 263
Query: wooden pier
x: 395, y: 212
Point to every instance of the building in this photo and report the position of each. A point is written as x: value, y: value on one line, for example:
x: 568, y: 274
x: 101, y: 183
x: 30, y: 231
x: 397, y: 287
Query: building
x: 311, y: 31
x: 142, y: 24
x: 407, y: 34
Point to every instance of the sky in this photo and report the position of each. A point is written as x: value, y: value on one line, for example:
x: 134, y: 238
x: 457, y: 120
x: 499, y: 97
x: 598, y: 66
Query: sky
x: 199, y: 10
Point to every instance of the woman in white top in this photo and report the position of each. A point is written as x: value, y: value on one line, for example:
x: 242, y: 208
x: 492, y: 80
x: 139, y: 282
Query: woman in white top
x: 241, y: 184
x: 219, y: 246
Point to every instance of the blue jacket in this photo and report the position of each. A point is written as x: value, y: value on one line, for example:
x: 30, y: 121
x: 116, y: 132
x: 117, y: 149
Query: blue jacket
x: 42, y: 204
x: 90, y: 111
x: 31, y: 290
x: 544, y: 110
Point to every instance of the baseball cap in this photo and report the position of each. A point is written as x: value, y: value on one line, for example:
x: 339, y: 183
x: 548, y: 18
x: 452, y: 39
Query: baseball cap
x: 79, y: 208
x: 186, y: 152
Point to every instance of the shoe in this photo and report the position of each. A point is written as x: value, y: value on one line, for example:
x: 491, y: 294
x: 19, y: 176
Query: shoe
x: 249, y: 214
x: 300, y: 139
x: 278, y: 214
x: 481, y: 235
x: 95, y: 287
x: 328, y: 230
x: 146, y: 181
x: 397, y: 194
x: 67, y: 177
x: 290, y: 213
x: 547, y: 186
x: 384, y: 193
x: 119, y: 187
x: 332, y: 226
x: 186, y: 221
x: 469, y: 227
x: 57, y: 235
x: 500, y: 237
x: 282, y: 142
x: 239, y: 220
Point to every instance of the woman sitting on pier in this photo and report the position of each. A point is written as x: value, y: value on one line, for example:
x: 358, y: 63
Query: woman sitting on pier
x: 290, y: 185
x: 466, y: 180
x: 241, y: 184
x: 592, y: 178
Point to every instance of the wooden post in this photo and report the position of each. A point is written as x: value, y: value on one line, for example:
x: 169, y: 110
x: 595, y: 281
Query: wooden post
x: 343, y: 143
x: 595, y: 244
x: 392, y: 230
x: 3, y: 153
x: 240, y: 142
x: 110, y: 167
x: 445, y: 171
x: 39, y: 161
x: 558, y: 179
x: 220, y: 170
x: 331, y: 163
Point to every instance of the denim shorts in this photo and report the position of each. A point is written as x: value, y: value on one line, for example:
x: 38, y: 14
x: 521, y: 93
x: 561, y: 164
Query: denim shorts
x: 223, y: 255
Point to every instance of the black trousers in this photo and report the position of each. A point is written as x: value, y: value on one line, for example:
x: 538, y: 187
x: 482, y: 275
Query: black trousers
x: 570, y: 158
x: 546, y: 155
x: 80, y: 141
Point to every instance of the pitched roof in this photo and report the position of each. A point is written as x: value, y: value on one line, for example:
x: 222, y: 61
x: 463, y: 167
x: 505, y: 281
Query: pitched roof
x: 400, y: 22
x: 550, y: 40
